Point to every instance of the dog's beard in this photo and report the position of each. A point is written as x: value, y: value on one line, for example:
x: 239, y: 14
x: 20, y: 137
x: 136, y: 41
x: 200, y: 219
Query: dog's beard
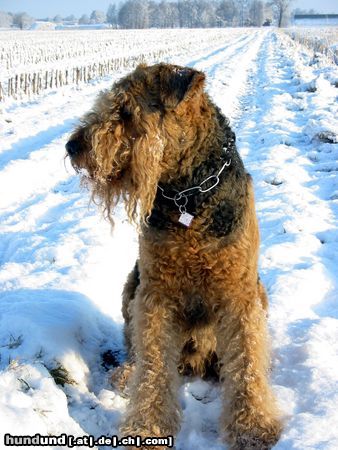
x: 130, y: 174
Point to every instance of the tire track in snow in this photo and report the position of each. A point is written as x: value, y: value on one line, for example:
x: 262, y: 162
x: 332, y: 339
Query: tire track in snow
x: 221, y: 54
x: 297, y: 272
x: 228, y: 75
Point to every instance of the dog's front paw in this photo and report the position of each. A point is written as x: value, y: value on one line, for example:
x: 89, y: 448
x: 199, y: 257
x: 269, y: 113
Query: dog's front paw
x: 257, y: 437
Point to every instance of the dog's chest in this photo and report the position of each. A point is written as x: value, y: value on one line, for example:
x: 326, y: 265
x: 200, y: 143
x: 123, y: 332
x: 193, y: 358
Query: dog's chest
x: 194, y: 310
x: 219, y: 220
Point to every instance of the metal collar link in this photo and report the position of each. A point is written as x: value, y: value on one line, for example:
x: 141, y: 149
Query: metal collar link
x: 183, y: 195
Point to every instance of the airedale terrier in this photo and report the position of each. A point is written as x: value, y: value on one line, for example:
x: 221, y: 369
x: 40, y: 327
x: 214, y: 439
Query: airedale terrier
x: 194, y: 301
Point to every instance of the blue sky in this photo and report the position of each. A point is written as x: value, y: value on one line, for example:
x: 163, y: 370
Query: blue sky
x: 40, y: 8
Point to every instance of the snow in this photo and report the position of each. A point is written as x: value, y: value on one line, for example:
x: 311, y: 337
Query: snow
x: 43, y: 25
x: 62, y: 269
x: 322, y: 40
x: 96, y: 26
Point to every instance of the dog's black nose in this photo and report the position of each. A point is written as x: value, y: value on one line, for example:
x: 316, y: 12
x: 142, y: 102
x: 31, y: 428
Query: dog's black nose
x: 73, y: 148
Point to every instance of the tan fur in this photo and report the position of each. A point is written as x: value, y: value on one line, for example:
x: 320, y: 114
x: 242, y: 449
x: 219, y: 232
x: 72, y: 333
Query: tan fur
x: 150, y: 129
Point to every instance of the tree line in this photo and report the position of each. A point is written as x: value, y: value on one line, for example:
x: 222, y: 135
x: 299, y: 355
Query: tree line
x: 139, y: 14
x: 188, y: 13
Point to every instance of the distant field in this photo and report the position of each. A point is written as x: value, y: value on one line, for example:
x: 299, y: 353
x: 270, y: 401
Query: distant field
x: 34, y: 61
x: 322, y: 39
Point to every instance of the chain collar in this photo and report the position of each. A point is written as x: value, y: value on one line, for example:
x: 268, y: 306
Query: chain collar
x: 183, y: 195
x: 181, y: 198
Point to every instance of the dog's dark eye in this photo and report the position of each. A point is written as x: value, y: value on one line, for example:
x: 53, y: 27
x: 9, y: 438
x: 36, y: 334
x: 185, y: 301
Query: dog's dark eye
x: 125, y: 113
x: 155, y: 107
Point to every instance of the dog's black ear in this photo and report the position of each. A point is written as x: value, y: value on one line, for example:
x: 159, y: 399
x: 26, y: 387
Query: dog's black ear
x: 179, y: 83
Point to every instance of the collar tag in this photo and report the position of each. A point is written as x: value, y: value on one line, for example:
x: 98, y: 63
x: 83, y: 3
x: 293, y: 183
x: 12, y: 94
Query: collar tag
x: 186, y: 219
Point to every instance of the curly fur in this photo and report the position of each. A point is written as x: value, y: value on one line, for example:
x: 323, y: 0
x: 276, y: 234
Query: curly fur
x: 194, y: 303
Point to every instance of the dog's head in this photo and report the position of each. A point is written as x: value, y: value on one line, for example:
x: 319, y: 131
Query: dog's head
x: 137, y: 133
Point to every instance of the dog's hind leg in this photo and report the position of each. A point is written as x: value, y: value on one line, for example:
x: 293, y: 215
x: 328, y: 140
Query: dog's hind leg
x: 128, y: 296
x: 122, y: 374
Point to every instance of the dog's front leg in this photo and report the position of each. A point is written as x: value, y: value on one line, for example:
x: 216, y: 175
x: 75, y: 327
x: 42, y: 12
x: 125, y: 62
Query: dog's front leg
x: 154, y: 408
x: 251, y: 419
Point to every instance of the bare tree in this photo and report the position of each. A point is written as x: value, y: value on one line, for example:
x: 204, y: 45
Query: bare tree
x: 126, y: 14
x: 142, y: 14
x: 97, y: 16
x: 70, y: 18
x: 22, y: 20
x: 134, y: 14
x: 57, y: 19
x: 84, y: 19
x: 187, y: 13
x: 205, y: 14
x: 112, y: 15
x: 256, y: 13
x: 164, y: 14
x: 243, y: 9
x: 226, y: 13
x: 281, y: 8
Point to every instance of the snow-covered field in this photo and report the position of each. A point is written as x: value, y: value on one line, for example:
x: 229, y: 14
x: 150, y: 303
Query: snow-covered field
x: 62, y: 270
x: 319, y: 39
x: 32, y: 61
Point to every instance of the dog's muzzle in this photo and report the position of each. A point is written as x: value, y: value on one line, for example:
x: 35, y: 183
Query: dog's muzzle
x: 73, y: 148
